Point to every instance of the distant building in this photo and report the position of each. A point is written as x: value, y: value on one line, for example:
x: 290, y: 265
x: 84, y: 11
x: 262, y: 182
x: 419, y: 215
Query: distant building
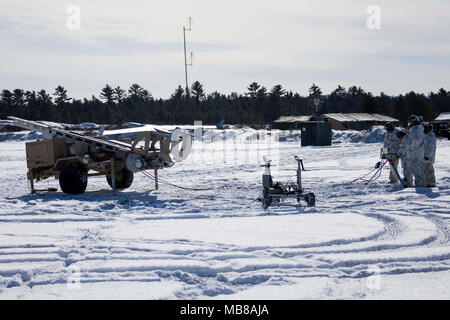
x: 444, y: 117
x: 316, y: 130
x: 357, y: 121
x: 338, y: 121
x: 290, y: 122
x: 441, y: 125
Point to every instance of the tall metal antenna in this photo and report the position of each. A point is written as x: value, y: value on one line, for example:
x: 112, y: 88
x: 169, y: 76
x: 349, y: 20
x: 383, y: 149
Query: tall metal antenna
x: 186, y: 64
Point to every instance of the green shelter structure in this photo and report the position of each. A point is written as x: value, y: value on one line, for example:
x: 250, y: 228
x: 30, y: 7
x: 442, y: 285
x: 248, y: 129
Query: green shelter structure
x: 315, y: 131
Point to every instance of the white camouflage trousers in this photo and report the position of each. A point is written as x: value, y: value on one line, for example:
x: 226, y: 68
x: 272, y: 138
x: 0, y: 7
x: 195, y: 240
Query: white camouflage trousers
x: 392, y: 176
x: 419, y: 175
x: 414, y: 170
x: 407, y: 172
x: 430, y: 178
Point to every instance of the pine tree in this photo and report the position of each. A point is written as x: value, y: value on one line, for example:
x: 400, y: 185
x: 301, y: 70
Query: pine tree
x: 107, y: 94
x: 339, y: 92
x: 178, y: 94
x: 314, y: 91
x: 18, y: 97
x: 6, y: 97
x: 197, y: 91
x: 61, y: 96
x: 262, y: 92
x: 137, y: 93
x: 253, y: 89
x: 277, y: 91
x: 119, y: 95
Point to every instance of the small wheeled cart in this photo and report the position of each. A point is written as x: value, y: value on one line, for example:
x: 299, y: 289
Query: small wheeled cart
x: 275, y: 194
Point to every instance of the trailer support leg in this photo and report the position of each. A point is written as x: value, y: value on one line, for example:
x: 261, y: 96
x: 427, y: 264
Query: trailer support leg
x: 30, y: 178
x: 113, y: 174
x: 32, y: 186
x: 156, y: 180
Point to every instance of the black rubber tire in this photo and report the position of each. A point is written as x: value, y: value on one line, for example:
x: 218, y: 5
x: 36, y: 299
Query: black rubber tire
x: 266, y: 200
x: 73, y: 178
x: 124, y: 179
x: 266, y: 203
x: 310, y: 199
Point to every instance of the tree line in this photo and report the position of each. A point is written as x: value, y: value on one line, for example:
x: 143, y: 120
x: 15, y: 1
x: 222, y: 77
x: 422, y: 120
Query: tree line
x: 257, y: 106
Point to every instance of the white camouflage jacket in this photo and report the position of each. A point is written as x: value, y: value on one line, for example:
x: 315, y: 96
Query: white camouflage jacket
x: 403, y: 150
x: 429, y: 147
x: 415, y: 143
x: 392, y: 142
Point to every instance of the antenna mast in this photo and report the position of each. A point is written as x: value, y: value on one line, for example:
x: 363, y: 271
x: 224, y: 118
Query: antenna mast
x: 186, y: 64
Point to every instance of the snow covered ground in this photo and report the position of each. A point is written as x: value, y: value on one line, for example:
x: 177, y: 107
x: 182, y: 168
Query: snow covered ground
x: 360, y: 241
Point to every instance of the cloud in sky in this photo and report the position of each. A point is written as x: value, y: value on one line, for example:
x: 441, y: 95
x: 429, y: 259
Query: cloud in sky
x: 294, y: 43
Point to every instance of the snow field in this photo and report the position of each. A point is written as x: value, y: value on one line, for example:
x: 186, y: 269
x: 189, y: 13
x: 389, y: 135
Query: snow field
x: 175, y: 243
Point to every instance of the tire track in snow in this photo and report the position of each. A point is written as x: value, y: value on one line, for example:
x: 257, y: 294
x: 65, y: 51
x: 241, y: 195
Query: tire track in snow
x: 209, y: 269
x: 442, y: 228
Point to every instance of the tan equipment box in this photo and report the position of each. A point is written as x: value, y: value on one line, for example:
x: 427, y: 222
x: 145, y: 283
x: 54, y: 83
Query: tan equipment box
x: 44, y: 153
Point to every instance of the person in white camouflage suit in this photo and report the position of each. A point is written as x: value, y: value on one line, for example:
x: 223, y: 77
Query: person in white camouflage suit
x: 415, y: 152
x: 405, y: 162
x: 392, y: 142
x: 429, y: 149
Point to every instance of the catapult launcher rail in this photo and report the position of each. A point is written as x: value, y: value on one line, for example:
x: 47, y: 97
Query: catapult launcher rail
x: 71, y: 156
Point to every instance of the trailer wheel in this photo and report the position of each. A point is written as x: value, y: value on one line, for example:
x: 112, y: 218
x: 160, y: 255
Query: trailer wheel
x: 73, y: 178
x: 124, y: 179
x: 310, y: 199
x: 266, y: 201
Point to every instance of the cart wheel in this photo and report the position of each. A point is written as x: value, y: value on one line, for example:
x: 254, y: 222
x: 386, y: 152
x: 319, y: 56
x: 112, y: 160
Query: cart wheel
x: 124, y: 179
x: 266, y: 202
x: 73, y: 178
x: 310, y: 199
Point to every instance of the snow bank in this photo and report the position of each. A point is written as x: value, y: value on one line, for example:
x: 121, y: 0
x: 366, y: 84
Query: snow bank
x: 88, y: 126
x: 245, y: 133
x: 20, y: 136
x: 374, y: 135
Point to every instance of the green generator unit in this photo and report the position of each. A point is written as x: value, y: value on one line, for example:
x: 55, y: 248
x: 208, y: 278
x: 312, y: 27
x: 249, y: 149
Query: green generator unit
x: 315, y: 133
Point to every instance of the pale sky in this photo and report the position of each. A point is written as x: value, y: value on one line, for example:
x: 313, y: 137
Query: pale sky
x: 292, y: 43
